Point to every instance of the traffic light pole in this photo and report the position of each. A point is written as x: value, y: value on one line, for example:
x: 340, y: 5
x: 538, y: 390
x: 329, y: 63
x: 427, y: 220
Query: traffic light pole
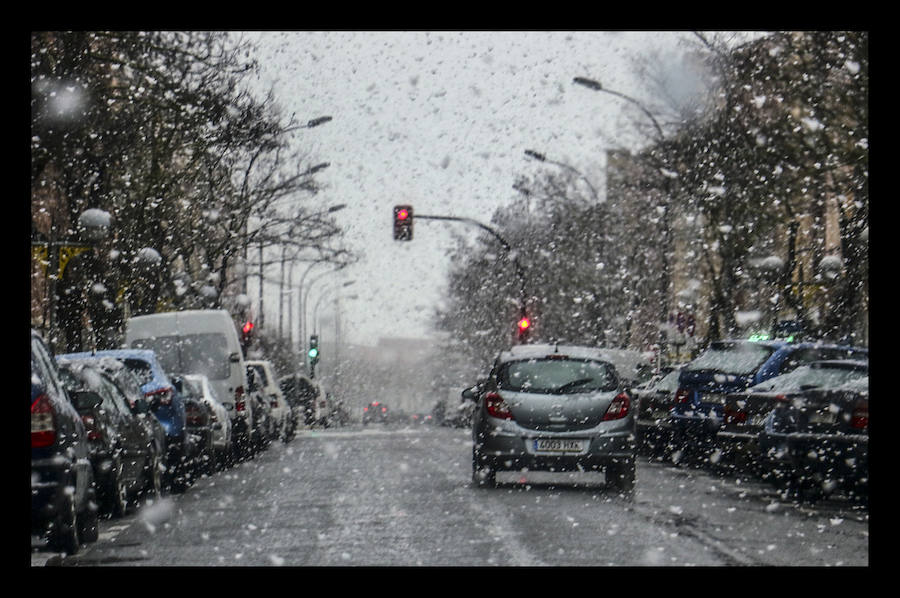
x: 520, y: 272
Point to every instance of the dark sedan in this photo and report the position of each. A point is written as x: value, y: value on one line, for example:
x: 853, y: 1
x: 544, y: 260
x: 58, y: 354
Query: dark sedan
x: 63, y: 507
x: 123, y: 452
x: 818, y: 443
x: 745, y: 412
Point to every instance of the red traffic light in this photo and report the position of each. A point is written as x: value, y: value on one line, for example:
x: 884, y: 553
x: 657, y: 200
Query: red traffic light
x: 247, y: 327
x: 524, y: 324
x: 403, y: 223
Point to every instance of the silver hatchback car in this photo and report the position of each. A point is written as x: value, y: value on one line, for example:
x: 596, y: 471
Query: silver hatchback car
x: 553, y: 408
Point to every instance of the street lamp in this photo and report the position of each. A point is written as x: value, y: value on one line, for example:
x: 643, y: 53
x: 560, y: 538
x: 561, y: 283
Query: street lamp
x: 543, y: 158
x: 596, y: 86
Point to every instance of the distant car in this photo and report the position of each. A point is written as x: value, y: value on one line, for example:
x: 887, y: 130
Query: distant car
x: 733, y: 366
x: 123, y: 451
x: 818, y: 442
x: 653, y: 402
x: 375, y: 412
x: 221, y: 436
x: 553, y: 407
x: 268, y: 383
x: 745, y: 412
x: 166, y: 404
x: 63, y: 502
x: 421, y: 419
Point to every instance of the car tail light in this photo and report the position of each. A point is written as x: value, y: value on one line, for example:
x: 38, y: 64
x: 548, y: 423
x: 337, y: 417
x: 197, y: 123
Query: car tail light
x: 496, y: 406
x: 43, y: 430
x: 859, y: 420
x: 618, y: 408
x: 682, y: 396
x: 93, y: 431
x: 164, y: 395
x: 239, y: 404
x: 735, y: 416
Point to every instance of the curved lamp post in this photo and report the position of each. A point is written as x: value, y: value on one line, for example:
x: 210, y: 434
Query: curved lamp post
x: 543, y: 158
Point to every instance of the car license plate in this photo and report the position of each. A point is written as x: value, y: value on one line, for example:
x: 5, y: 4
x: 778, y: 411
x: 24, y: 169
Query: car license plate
x: 558, y: 445
x: 659, y: 414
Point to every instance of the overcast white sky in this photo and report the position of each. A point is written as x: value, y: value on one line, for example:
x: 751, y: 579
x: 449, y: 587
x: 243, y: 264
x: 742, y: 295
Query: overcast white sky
x: 440, y: 120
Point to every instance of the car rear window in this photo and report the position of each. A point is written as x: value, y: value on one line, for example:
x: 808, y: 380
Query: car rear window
x: 732, y: 358
x: 556, y: 376
x: 806, y: 376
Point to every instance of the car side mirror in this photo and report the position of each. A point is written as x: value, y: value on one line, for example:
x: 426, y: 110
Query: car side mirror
x: 234, y: 357
x: 469, y: 394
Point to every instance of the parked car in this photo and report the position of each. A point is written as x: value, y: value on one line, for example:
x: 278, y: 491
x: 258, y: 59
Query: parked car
x: 271, y: 391
x: 733, y: 366
x: 199, y: 424
x: 653, y: 402
x: 221, y: 423
x: 203, y: 341
x: 124, y: 454
x: 63, y: 502
x: 745, y: 412
x: 262, y: 430
x: 553, y: 407
x: 130, y: 386
x: 818, y: 442
x: 166, y: 404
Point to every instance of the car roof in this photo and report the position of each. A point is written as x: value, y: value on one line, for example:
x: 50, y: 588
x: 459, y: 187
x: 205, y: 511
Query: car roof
x: 535, y: 351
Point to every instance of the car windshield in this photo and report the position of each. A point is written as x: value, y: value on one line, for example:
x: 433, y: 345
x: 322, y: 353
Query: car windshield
x: 809, y: 377
x: 205, y: 354
x: 732, y: 358
x: 563, y: 376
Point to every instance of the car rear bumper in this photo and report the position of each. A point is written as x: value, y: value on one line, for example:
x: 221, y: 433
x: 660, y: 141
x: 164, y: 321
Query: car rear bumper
x: 515, y: 452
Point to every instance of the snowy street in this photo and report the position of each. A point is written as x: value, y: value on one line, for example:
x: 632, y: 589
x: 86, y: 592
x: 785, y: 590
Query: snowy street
x: 388, y: 496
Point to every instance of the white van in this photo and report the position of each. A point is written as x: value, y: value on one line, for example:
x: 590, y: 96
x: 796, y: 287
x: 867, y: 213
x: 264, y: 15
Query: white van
x: 203, y: 341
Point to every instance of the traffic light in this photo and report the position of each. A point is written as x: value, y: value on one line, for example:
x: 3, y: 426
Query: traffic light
x: 524, y: 327
x: 403, y: 223
x: 246, y: 334
x: 313, y: 352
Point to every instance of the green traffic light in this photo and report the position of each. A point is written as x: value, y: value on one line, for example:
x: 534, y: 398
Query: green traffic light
x: 313, y: 353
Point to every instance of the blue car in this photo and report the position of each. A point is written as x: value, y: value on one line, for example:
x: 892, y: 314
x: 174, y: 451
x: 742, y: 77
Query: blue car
x: 731, y: 366
x: 165, y: 402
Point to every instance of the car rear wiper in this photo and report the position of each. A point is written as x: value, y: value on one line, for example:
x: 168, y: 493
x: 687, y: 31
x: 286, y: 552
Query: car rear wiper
x: 573, y: 383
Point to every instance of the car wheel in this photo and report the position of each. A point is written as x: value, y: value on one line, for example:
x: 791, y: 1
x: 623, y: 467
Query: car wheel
x: 64, y: 530
x: 116, y: 500
x: 153, y: 476
x: 483, y: 474
x: 621, y: 475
